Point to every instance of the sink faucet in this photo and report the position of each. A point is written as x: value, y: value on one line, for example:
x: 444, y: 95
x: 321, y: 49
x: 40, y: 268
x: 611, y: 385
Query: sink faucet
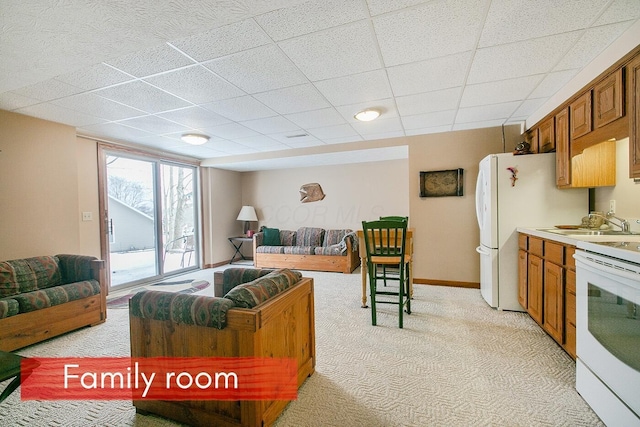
x: 623, y: 224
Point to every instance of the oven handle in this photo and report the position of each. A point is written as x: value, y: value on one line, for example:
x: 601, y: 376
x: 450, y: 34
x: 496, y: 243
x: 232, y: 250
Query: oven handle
x: 599, y: 268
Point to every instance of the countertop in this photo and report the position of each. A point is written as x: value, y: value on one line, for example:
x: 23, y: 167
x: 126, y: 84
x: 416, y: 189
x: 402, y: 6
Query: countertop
x: 574, y: 239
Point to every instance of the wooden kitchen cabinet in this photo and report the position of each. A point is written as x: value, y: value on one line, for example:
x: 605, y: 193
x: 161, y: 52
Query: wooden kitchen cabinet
x: 563, y: 154
x: 580, y: 111
x: 547, y: 136
x: 548, y: 281
x: 608, y: 99
x: 633, y: 99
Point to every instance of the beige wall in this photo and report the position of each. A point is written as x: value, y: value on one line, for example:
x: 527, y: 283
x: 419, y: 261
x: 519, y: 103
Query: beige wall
x: 87, y: 162
x: 39, y: 184
x: 354, y: 192
x: 446, y: 229
x: 626, y: 192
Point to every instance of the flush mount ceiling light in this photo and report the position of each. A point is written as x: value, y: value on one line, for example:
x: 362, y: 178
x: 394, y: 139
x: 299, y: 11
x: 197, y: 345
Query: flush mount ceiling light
x: 367, y: 115
x: 194, y: 138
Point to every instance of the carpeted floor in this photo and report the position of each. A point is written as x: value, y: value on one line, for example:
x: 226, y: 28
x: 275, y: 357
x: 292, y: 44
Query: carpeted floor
x: 456, y: 362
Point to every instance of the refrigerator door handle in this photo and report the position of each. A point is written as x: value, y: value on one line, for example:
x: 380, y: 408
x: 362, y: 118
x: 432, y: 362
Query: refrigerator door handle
x: 479, y: 201
x: 481, y: 251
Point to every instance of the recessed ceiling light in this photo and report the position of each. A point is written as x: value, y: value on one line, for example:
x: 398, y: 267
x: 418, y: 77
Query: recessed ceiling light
x: 194, y: 138
x: 367, y: 115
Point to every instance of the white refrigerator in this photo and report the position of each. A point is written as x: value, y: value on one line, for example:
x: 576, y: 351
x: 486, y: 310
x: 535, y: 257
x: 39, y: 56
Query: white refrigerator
x: 517, y: 191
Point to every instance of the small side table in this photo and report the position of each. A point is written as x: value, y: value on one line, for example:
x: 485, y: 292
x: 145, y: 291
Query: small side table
x: 237, y: 242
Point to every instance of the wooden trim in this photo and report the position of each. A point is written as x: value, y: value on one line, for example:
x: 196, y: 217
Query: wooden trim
x: 144, y: 151
x: 451, y: 283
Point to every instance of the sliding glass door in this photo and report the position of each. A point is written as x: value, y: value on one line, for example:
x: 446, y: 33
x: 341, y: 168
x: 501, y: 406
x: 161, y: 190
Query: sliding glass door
x: 151, y: 226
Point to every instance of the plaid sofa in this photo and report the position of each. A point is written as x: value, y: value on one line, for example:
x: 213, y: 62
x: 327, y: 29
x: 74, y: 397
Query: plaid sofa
x: 52, y: 290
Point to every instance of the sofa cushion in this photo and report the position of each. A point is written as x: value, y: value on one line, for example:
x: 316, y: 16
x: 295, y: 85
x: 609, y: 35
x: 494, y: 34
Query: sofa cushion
x: 44, y: 298
x: 298, y: 250
x: 271, y: 237
x: 329, y: 250
x: 334, y: 237
x: 270, y: 249
x: 287, y: 238
x: 309, y: 236
x: 75, y: 268
x: 232, y: 277
x: 249, y: 295
x: 29, y: 274
x: 199, y: 310
x: 8, y: 307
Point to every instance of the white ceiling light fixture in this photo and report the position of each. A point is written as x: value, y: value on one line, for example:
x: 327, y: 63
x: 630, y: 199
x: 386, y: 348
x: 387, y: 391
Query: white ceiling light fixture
x: 367, y: 115
x: 194, y: 138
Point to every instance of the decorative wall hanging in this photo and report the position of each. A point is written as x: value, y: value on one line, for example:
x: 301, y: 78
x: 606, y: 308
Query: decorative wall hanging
x: 311, y: 193
x: 441, y: 183
x: 514, y: 175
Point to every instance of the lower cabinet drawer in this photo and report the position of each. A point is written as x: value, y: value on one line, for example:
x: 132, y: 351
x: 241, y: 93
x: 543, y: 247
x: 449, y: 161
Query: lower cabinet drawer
x: 570, y: 340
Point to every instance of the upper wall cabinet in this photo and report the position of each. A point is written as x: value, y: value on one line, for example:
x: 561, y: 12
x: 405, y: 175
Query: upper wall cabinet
x: 581, y: 115
x: 563, y: 156
x: 633, y: 71
x: 608, y: 96
x: 547, y: 136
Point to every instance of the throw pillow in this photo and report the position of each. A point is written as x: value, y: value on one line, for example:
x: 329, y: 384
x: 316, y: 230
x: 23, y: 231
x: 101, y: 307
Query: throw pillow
x: 271, y: 237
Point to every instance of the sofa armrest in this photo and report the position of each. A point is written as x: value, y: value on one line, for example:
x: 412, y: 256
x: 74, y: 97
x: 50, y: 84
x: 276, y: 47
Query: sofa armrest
x: 76, y: 268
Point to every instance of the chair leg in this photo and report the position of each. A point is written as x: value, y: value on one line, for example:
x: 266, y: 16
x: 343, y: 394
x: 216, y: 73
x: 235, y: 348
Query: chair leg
x: 372, y: 291
x: 408, y: 292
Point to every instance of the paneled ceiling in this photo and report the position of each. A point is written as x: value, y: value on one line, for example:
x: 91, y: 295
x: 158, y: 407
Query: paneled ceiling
x: 262, y: 76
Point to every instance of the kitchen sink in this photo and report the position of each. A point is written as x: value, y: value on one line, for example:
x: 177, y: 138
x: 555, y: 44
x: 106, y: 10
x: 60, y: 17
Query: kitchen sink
x: 587, y: 232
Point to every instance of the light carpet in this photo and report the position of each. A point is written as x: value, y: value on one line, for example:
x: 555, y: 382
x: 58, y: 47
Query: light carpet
x: 456, y: 362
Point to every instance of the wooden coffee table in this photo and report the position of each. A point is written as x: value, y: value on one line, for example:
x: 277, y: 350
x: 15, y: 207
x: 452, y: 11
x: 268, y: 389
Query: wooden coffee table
x: 9, y: 368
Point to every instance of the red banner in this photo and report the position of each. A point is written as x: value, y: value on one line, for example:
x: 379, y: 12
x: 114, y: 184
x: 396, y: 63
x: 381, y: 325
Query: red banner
x: 159, y: 378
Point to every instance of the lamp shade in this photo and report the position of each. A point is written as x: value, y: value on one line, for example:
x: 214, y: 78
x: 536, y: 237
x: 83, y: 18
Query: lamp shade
x: 247, y: 213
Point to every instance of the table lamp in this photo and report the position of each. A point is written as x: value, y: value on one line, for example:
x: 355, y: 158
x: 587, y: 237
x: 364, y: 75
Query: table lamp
x: 247, y: 214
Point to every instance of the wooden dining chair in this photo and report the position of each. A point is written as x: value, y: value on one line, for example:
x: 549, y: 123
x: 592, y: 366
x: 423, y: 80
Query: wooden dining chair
x: 385, y: 245
x: 392, y: 218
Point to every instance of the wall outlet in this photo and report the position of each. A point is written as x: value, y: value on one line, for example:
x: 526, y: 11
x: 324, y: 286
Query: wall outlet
x: 612, y: 206
x: 87, y: 216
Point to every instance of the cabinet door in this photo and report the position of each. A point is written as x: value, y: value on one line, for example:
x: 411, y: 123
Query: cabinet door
x: 531, y: 136
x: 580, y: 111
x: 633, y: 70
x: 522, y: 278
x: 570, y: 313
x: 535, y: 274
x: 547, y: 136
x: 608, y: 100
x: 563, y: 155
x: 553, y: 307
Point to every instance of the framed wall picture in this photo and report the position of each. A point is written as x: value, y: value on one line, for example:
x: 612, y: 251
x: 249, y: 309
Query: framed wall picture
x: 441, y: 183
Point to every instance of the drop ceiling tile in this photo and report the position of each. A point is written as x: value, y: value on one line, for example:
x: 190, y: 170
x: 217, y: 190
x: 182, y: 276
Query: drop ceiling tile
x: 553, y: 82
x: 378, y: 7
x: 258, y: 70
x: 230, y: 131
x: 310, y: 16
x: 489, y: 113
x: 379, y: 126
x: 241, y: 108
x: 271, y: 125
x: 151, y: 61
x: 428, y: 102
x: 433, y: 74
x: 343, y: 139
x: 361, y: 87
x: 233, y: 148
x: 529, y: 106
x: 11, y: 101
x: 114, y: 130
x: 297, y: 141
x: 592, y: 42
x: 330, y: 53
x: 154, y: 125
x: 333, y: 132
x: 453, y: 27
x: 426, y: 131
x: 387, y: 108
x: 55, y: 113
x: 385, y: 135
x: 48, y: 90
x: 194, y: 117
x: 478, y: 125
x: 293, y: 99
x: 222, y: 41
x: 195, y: 84
x: 142, y: 96
x: 316, y: 118
x: 94, y: 77
x: 429, y: 120
x: 536, y: 56
x: 620, y: 10
x: 199, y: 151
x: 498, y: 92
x: 510, y: 21
x: 90, y: 103
x: 259, y: 142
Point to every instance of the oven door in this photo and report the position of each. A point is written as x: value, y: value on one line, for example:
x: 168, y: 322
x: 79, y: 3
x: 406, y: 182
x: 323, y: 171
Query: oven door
x: 608, y: 323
